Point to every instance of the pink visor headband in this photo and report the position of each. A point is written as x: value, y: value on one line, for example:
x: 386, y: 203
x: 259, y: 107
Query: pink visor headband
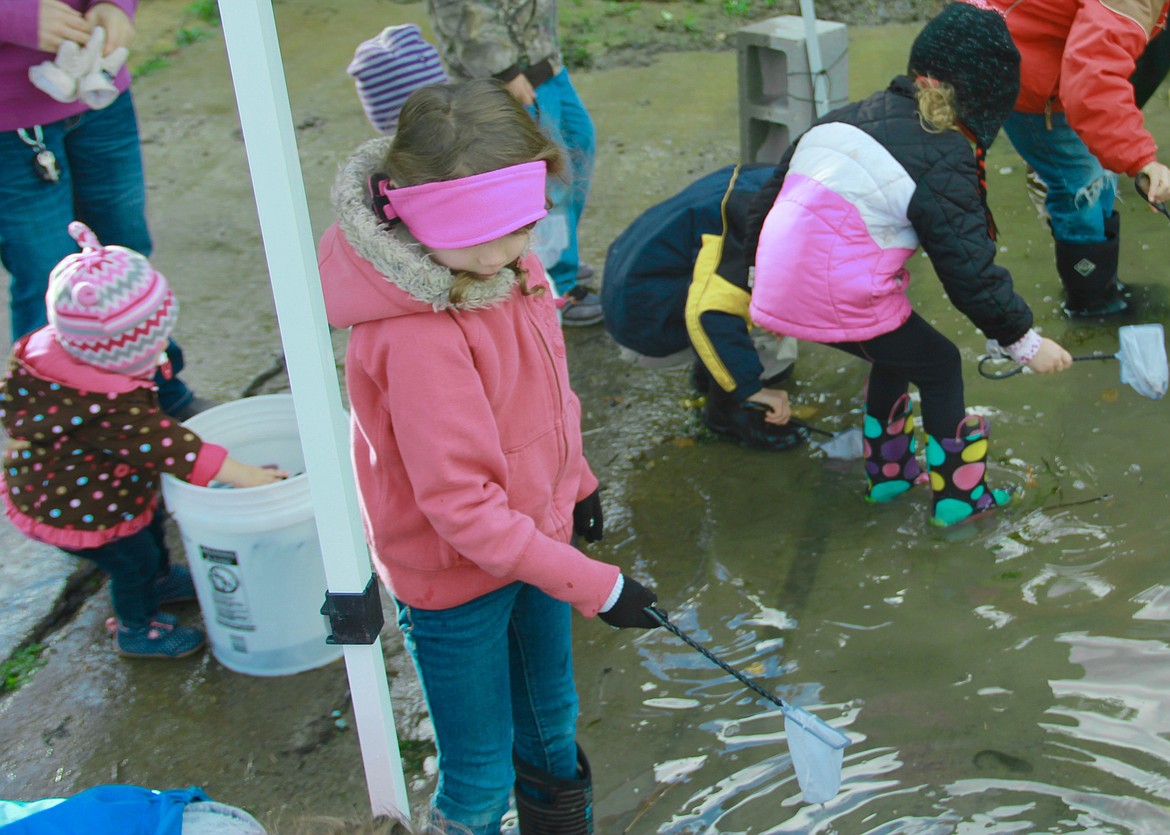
x: 453, y: 214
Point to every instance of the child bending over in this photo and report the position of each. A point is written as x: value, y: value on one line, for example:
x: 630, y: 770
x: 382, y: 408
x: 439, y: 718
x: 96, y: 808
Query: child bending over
x: 852, y: 200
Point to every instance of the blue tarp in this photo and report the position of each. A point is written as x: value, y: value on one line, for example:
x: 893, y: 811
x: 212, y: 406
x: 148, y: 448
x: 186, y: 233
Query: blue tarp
x: 102, y: 810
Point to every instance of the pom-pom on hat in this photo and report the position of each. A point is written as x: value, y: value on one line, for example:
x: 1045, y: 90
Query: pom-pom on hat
x: 388, y: 68
x: 968, y: 46
x: 109, y: 307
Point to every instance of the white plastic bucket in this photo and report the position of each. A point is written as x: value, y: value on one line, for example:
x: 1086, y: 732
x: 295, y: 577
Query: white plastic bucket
x: 254, y: 553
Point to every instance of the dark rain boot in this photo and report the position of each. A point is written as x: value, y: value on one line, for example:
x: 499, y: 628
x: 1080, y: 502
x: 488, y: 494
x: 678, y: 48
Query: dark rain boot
x: 957, y: 468
x: 548, y: 805
x: 700, y: 377
x: 1113, y: 233
x: 891, y: 467
x: 1089, y: 274
x: 724, y: 415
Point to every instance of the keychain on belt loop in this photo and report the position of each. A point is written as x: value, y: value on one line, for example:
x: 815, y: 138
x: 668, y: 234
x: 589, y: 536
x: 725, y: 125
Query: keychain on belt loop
x: 44, y: 160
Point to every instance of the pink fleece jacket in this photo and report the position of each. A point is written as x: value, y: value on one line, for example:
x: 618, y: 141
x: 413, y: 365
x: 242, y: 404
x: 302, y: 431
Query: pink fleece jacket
x: 22, y: 105
x: 466, y: 436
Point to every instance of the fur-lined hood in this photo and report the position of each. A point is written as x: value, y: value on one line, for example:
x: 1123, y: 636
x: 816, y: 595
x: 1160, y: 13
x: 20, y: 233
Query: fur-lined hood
x: 372, y: 271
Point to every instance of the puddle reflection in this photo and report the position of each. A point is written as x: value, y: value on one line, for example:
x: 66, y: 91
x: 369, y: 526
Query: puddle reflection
x: 1013, y: 676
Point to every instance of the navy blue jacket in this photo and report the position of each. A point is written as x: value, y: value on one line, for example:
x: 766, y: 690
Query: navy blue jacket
x: 650, y: 266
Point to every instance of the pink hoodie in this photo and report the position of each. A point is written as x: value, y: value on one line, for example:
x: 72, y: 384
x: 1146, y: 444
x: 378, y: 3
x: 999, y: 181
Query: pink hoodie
x: 466, y: 435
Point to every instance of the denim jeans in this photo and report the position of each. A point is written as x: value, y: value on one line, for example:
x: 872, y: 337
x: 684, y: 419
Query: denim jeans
x: 134, y: 564
x: 1080, y: 192
x: 497, y: 673
x: 563, y: 116
x: 102, y: 184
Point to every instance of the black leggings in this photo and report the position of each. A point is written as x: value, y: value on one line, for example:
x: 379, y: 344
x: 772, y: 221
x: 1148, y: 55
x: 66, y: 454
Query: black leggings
x: 913, y: 353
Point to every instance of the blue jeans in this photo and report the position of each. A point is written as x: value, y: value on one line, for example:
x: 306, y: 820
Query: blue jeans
x: 134, y: 563
x: 497, y: 673
x: 1080, y: 192
x: 563, y: 116
x: 102, y: 184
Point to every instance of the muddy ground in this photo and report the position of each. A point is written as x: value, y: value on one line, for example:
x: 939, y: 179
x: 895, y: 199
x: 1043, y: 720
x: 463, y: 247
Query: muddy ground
x: 285, y: 747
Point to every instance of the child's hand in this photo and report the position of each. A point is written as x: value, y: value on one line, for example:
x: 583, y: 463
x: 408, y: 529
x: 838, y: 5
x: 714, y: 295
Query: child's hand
x: 521, y: 88
x: 776, y: 401
x: 1050, y: 358
x: 1158, y: 182
x: 240, y: 474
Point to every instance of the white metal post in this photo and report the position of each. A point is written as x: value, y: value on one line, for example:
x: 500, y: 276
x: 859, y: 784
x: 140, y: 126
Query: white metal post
x: 249, y: 28
x: 816, y: 64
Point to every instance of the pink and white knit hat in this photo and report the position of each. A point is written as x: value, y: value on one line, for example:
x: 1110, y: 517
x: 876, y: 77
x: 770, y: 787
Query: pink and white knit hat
x: 109, y: 307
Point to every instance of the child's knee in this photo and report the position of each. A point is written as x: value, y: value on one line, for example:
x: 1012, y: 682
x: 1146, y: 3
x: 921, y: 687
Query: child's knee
x: 1092, y: 193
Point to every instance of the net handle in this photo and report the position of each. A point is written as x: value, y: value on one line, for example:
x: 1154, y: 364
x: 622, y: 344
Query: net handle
x: 1142, y: 183
x: 1018, y: 369
x: 661, y: 617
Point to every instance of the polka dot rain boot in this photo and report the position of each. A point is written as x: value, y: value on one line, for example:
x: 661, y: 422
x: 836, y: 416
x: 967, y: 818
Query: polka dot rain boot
x: 891, y: 467
x: 957, y: 468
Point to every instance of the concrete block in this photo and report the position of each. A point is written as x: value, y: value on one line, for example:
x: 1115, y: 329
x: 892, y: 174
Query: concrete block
x: 777, y: 91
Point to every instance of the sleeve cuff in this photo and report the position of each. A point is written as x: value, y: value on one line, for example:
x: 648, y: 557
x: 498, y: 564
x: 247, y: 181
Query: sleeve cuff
x: 1025, y: 348
x: 207, y: 464
x: 612, y: 600
x: 507, y: 75
x: 742, y: 393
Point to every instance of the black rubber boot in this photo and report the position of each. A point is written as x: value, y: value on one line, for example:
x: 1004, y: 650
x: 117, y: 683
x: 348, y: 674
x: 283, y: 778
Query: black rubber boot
x: 548, y: 805
x: 701, y: 377
x: 1089, y: 274
x: 1113, y: 233
x: 724, y: 415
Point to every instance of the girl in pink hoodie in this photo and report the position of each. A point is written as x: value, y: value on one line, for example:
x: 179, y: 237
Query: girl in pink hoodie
x: 467, y: 447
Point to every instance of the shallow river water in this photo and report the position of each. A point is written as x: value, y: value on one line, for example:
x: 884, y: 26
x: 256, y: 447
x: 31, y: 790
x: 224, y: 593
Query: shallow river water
x: 1007, y: 675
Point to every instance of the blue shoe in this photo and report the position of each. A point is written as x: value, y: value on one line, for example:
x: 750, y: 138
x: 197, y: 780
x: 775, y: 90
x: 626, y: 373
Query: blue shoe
x: 176, y: 587
x: 161, y: 638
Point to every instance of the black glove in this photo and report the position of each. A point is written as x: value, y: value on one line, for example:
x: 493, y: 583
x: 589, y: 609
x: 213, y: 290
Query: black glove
x: 587, y: 521
x: 630, y: 609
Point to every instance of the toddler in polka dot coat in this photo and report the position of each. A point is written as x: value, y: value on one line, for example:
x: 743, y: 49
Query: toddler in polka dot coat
x: 88, y: 442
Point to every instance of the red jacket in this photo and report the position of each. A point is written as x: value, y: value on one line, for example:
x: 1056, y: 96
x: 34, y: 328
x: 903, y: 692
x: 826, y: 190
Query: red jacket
x: 1077, y: 57
x: 466, y: 434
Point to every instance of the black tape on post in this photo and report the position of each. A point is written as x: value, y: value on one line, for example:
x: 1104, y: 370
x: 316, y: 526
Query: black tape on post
x: 354, y: 618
